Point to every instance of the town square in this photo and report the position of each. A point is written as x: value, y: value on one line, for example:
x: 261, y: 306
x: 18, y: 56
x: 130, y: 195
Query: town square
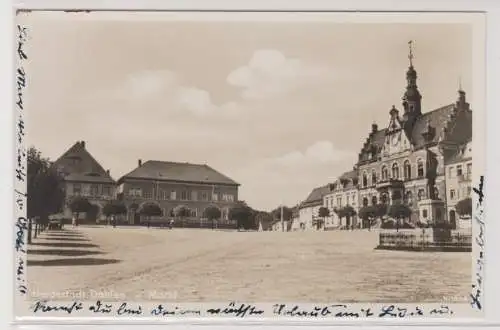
x: 293, y: 166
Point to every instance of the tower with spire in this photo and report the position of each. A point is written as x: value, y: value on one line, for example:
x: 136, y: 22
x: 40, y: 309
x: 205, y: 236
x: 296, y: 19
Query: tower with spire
x: 411, y: 98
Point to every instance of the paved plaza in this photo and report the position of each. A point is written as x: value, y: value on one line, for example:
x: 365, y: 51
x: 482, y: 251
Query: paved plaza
x: 195, y: 265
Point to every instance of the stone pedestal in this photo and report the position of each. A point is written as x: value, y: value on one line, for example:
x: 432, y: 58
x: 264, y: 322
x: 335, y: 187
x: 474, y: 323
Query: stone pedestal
x: 431, y: 211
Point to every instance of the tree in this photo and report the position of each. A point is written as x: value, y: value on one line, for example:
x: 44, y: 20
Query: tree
x: 464, y: 207
x: 79, y: 205
x: 116, y: 207
x: 45, y: 193
x: 149, y: 210
x: 263, y: 218
x: 368, y: 214
x: 182, y: 211
x: 399, y: 212
x: 212, y: 213
x: 243, y: 215
x: 287, y: 213
x: 324, y: 213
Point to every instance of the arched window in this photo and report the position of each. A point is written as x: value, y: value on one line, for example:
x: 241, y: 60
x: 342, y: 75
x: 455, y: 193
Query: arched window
x: 374, y: 177
x: 365, y: 201
x: 421, y: 194
x: 384, y: 198
x: 365, y: 180
x: 407, y: 169
x: 374, y: 200
x: 420, y: 168
x: 384, y: 173
x: 395, y: 171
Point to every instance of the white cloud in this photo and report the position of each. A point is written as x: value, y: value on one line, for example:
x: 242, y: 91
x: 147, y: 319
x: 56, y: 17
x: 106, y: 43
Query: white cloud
x: 270, y: 73
x: 320, y: 152
x: 166, y: 88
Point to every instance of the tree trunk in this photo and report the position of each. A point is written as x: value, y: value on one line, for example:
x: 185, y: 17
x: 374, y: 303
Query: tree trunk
x: 29, y: 230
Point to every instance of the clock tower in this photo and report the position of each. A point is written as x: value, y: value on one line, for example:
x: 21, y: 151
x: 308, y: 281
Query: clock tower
x: 411, y: 98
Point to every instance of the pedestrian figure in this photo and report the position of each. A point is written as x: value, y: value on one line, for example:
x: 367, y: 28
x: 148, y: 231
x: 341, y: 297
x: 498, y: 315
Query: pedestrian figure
x: 171, y: 223
x: 113, y: 221
x: 73, y: 221
x: 149, y: 224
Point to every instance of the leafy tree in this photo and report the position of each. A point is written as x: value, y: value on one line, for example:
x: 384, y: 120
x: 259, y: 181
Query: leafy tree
x: 399, y: 212
x: 116, y: 207
x: 464, y: 207
x: 149, y: 210
x: 182, y: 211
x: 45, y: 193
x: 264, y: 218
x: 368, y: 214
x: 243, y: 214
x: 323, y: 212
x: 79, y: 205
x: 287, y: 213
x: 212, y: 213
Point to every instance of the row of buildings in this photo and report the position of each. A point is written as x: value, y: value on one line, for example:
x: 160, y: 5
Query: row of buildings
x: 167, y: 184
x: 421, y: 159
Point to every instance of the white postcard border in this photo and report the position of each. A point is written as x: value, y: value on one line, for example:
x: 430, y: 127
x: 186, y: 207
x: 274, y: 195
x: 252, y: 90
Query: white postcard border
x: 490, y: 178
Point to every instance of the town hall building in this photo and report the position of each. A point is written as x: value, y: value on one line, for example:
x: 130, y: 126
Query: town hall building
x: 405, y: 161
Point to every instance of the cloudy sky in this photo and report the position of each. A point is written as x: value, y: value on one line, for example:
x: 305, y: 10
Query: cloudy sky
x: 281, y: 107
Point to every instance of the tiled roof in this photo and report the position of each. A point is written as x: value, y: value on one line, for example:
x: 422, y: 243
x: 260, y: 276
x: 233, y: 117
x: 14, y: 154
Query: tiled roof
x: 437, y: 119
x: 350, y: 175
x: 316, y: 196
x: 458, y: 155
x: 77, y: 164
x: 457, y: 123
x: 183, y: 172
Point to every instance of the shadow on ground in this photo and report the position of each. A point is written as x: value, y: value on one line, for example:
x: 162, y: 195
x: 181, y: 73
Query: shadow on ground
x: 64, y: 253
x: 73, y: 262
x: 58, y: 238
x: 66, y: 244
x: 61, y: 233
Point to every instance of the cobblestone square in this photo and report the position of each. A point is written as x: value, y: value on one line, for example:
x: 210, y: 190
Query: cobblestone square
x: 189, y: 265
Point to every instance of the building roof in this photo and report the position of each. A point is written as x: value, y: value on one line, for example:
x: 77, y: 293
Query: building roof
x: 315, y: 197
x: 174, y: 171
x: 459, y: 155
x: 447, y: 123
x: 77, y: 164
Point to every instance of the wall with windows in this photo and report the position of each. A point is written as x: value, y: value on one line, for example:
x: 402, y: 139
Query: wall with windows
x: 409, y: 167
x: 458, y: 185
x: 169, y: 195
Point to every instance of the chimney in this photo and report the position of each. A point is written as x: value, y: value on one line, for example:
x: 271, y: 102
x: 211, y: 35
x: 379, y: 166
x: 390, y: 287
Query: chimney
x: 107, y: 172
x: 374, y: 128
x: 139, y: 162
x: 82, y: 143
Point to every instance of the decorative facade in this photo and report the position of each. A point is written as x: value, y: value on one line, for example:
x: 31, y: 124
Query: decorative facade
x: 85, y: 177
x: 171, y: 184
x: 405, y: 161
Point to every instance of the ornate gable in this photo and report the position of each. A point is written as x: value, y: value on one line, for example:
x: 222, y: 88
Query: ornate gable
x: 396, y: 139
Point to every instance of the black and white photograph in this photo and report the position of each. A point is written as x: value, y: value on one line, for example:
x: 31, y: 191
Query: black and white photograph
x: 230, y: 158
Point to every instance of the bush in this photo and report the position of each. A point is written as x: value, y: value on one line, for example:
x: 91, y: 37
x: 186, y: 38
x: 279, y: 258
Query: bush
x: 388, y: 224
x: 464, y: 207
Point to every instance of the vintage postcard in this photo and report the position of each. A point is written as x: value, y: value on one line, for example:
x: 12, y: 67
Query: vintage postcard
x: 278, y: 165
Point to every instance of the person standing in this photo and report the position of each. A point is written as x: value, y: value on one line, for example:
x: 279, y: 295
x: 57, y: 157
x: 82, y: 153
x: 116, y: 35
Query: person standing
x: 73, y: 221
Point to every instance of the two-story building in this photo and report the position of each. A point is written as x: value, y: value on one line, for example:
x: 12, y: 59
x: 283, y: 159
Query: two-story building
x: 459, y: 183
x: 171, y: 184
x: 309, y: 210
x: 84, y: 177
x: 343, y: 192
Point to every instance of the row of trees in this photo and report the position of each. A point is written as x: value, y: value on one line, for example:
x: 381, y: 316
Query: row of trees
x: 369, y: 214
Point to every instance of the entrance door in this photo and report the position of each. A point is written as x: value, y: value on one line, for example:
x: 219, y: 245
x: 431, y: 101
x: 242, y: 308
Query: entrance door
x: 453, y: 220
x: 137, y: 218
